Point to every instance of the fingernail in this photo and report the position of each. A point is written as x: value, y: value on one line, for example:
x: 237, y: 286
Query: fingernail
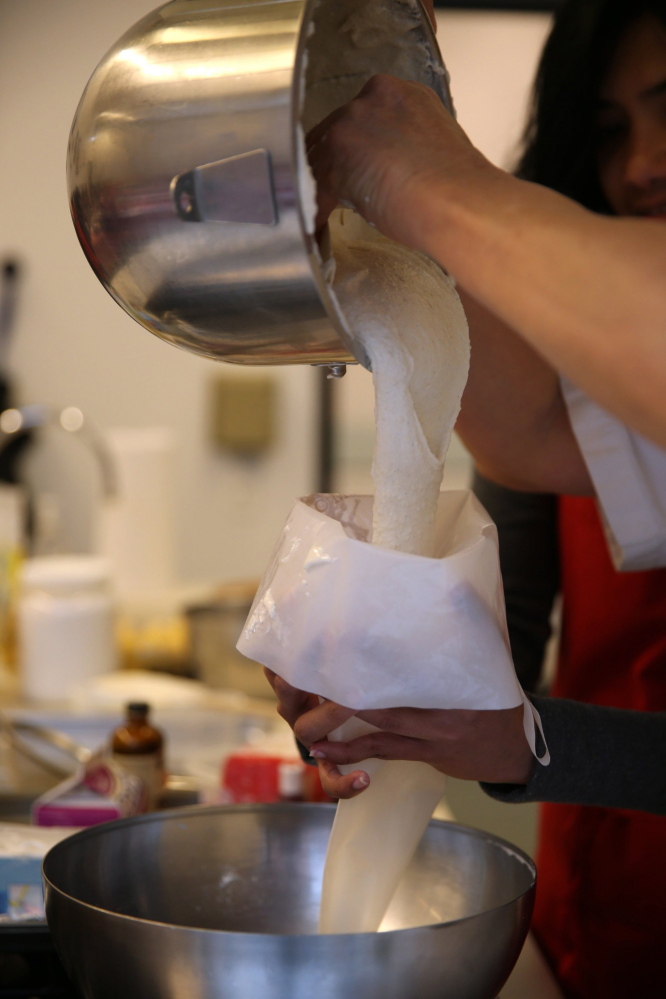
x: 317, y: 753
x: 361, y: 781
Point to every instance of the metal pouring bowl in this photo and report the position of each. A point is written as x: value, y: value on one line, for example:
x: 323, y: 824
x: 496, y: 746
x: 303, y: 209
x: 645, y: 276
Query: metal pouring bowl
x: 222, y: 903
x: 187, y: 173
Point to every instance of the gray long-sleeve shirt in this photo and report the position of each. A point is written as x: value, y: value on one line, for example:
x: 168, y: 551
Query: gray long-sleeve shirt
x: 599, y: 756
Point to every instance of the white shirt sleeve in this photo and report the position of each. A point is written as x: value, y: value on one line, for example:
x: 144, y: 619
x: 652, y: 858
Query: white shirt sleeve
x: 629, y: 475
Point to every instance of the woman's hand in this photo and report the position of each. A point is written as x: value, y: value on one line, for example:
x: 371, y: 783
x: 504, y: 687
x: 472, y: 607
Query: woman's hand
x: 471, y: 745
x: 303, y: 712
x: 386, y: 153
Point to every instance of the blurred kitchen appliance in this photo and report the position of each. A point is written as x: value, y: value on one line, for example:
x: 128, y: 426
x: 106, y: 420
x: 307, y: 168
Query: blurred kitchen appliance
x: 214, y: 628
x: 229, y: 902
x: 41, y: 519
x: 188, y: 181
x: 18, y: 421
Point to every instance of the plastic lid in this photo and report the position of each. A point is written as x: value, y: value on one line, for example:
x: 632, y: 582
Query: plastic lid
x: 138, y: 708
x: 65, y: 573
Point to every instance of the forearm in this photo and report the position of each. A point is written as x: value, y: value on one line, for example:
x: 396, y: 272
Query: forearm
x: 588, y: 292
x: 599, y: 756
x: 513, y: 418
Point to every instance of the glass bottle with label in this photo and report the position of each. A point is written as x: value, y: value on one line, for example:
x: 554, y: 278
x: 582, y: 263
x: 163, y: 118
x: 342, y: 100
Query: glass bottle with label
x: 138, y: 747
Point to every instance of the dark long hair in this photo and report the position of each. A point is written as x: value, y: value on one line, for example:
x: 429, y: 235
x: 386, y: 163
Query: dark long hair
x: 559, y: 144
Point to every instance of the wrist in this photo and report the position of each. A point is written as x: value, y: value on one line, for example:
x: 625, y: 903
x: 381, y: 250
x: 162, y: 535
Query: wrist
x: 524, y: 770
x: 468, y: 218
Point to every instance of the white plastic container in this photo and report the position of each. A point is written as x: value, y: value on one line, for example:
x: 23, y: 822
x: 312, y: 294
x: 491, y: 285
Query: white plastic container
x: 65, y: 624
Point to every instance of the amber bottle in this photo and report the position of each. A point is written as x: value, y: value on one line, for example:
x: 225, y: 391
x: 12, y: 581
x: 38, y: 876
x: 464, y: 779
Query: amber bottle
x: 138, y: 747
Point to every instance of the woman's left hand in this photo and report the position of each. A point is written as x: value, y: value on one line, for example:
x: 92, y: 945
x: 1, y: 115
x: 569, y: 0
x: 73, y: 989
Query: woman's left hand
x: 387, y: 153
x: 304, y: 712
x: 471, y: 745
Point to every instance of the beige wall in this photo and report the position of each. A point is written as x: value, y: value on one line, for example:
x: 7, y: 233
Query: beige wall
x: 492, y: 59
x: 73, y: 345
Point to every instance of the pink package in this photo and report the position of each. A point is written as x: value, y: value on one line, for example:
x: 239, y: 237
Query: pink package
x: 98, y: 792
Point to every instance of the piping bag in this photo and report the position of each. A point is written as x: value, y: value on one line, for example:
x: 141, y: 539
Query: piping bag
x: 368, y: 627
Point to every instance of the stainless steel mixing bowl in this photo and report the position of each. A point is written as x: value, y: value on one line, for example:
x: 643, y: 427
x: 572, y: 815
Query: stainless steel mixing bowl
x: 222, y: 903
x: 186, y: 165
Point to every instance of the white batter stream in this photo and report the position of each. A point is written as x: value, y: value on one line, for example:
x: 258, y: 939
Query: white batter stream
x: 405, y: 312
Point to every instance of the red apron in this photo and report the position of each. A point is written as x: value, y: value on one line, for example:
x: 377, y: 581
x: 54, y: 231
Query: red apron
x: 600, y: 912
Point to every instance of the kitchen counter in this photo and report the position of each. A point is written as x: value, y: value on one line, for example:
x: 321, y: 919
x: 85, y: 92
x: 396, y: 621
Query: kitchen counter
x: 531, y: 978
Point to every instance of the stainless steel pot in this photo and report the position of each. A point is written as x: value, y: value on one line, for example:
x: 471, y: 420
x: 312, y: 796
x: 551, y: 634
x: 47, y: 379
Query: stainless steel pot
x: 222, y: 903
x: 214, y: 629
x: 187, y: 176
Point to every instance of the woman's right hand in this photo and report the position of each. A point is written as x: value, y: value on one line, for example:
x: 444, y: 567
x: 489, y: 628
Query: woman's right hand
x: 485, y: 746
x: 306, y: 714
x: 388, y: 153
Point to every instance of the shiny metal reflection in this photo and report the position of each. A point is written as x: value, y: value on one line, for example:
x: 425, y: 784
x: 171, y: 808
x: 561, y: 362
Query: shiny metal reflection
x: 186, y: 168
x: 238, y: 189
x: 222, y: 903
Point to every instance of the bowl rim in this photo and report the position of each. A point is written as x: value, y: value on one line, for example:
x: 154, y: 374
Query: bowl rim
x: 184, y: 812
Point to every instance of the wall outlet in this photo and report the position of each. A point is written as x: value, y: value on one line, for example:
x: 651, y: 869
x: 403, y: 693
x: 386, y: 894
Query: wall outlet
x: 242, y: 413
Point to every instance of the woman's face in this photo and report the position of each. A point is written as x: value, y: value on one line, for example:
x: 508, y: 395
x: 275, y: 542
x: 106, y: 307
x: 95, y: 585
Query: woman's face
x: 631, y: 123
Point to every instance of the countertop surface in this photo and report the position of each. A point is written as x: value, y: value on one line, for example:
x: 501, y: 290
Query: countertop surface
x: 531, y: 978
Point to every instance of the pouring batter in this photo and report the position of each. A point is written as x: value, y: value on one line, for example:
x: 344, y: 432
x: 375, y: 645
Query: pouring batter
x: 408, y: 318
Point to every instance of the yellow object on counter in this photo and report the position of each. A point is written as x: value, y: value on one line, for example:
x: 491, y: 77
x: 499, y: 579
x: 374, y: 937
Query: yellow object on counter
x: 153, y: 640
x: 12, y: 508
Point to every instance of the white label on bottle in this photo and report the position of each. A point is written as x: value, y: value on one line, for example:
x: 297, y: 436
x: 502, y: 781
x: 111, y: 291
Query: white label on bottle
x: 148, y: 768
